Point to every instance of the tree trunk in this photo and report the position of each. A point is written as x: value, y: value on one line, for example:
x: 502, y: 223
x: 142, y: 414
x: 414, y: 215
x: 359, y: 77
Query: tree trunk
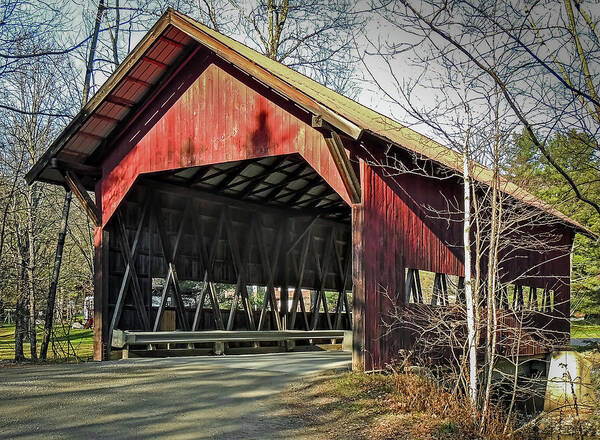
x: 20, y: 312
x: 492, y: 276
x: 19, y: 330
x: 468, y: 281
x: 90, y: 62
x: 31, y: 323
x: 116, y: 37
x: 31, y: 275
x: 55, y: 276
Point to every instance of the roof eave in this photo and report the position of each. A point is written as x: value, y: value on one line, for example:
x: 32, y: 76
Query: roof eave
x: 564, y: 219
x: 34, y: 173
x: 304, y: 100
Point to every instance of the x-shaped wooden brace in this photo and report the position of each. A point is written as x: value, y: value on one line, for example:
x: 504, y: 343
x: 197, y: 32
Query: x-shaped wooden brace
x: 440, y: 290
x: 518, y: 297
x: 342, y: 301
x: 130, y: 276
x: 241, y: 289
x: 299, y: 273
x: 270, y: 269
x: 533, y: 298
x: 171, y: 277
x: 208, y: 288
x: 546, y: 300
x: 322, y: 268
x: 413, y: 286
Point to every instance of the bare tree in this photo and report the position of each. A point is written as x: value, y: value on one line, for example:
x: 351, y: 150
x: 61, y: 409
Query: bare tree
x: 315, y: 37
x: 468, y: 285
x: 549, y: 71
x: 468, y: 110
x: 27, y: 133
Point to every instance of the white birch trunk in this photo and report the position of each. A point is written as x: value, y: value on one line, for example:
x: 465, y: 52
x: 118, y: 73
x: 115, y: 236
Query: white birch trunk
x: 468, y: 282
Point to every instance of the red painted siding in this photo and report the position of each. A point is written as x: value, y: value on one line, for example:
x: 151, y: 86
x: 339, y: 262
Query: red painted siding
x: 411, y: 221
x: 401, y: 230
x: 217, y: 117
x: 406, y: 225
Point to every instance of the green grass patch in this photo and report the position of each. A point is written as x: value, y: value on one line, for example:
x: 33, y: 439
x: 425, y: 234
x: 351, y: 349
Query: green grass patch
x: 585, y: 329
x: 66, y: 343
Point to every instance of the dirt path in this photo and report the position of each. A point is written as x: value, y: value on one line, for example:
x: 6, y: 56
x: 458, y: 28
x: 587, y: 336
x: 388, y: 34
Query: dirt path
x: 235, y: 397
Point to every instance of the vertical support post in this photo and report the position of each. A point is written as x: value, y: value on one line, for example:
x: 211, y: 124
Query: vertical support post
x: 444, y: 280
x: 284, y: 289
x: 461, y: 291
x: 533, y: 298
x: 418, y: 289
x: 562, y: 306
x: 101, y: 279
x: 219, y: 348
x: 518, y: 302
x: 358, y: 281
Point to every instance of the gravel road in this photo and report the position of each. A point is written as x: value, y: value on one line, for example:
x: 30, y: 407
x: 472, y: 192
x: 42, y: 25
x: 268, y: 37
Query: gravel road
x: 230, y: 397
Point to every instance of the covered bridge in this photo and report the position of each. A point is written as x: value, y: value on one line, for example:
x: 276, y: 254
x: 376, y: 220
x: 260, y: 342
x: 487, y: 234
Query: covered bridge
x: 215, y: 164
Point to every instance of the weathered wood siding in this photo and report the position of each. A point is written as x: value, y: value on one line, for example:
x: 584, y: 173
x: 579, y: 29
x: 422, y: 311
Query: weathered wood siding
x: 210, y: 114
x: 411, y: 221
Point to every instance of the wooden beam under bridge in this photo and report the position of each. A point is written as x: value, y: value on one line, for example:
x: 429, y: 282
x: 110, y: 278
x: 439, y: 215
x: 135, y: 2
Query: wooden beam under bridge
x: 217, y: 199
x: 121, y: 339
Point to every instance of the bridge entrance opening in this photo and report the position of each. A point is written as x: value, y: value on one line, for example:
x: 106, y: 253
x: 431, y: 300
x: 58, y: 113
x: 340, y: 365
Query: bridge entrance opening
x: 260, y: 245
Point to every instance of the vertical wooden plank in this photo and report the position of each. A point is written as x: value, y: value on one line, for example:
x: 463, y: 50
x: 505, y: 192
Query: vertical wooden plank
x: 186, y: 125
x: 301, y: 137
x: 199, y: 134
x: 220, y: 109
x: 210, y: 97
x: 358, y: 281
x: 234, y: 122
x: 227, y: 109
x: 101, y: 292
x: 175, y: 133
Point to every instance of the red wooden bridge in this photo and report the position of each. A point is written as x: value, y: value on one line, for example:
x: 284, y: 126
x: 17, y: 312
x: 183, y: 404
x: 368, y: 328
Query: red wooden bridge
x: 212, y: 164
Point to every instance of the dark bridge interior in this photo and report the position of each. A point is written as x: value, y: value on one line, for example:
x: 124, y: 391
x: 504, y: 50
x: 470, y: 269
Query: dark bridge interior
x: 272, y: 222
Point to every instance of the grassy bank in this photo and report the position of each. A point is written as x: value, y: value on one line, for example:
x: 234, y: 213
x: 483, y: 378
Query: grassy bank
x: 68, y: 343
x: 358, y: 406
x: 585, y: 329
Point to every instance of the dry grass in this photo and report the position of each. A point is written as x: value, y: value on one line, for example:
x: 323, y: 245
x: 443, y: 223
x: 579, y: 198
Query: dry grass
x: 385, y: 407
